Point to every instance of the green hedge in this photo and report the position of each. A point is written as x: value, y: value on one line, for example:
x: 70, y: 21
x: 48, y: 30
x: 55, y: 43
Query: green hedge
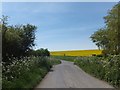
x: 26, y: 72
x: 107, y: 69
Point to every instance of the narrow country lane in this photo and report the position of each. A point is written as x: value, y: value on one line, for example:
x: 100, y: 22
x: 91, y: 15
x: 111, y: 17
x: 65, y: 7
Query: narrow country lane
x: 68, y: 75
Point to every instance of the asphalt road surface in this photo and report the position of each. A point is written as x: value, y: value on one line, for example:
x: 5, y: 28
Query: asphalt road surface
x: 68, y: 75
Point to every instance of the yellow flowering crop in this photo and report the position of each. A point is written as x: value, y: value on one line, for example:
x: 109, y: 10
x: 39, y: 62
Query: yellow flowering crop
x: 76, y: 53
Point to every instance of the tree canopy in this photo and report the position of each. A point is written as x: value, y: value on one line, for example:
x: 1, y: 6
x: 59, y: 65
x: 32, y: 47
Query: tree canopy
x: 18, y: 40
x: 108, y: 38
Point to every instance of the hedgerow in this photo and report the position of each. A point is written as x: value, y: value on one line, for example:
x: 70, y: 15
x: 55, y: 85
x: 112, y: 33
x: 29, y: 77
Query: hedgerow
x: 107, y: 69
x: 25, y: 72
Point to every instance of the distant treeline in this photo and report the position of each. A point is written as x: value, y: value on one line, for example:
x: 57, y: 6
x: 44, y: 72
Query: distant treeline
x: 18, y: 41
x: 108, y: 37
x: 40, y: 52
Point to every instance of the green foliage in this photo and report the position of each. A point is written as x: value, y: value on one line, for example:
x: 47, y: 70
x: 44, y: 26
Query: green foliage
x: 107, y: 68
x: 55, y: 61
x: 40, y: 52
x: 25, y: 73
x: 100, y: 38
x: 108, y: 38
x: 67, y: 58
x: 22, y: 67
x: 16, y: 40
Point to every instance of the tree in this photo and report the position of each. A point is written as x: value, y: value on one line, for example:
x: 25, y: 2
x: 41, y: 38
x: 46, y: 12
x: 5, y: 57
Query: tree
x: 47, y: 53
x: 28, y: 36
x: 112, y: 21
x: 16, y: 40
x: 109, y: 37
x: 40, y: 52
x: 100, y: 38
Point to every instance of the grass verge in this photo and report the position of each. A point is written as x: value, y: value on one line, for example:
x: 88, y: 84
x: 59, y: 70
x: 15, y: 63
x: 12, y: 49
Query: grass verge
x: 107, y: 69
x: 26, y: 72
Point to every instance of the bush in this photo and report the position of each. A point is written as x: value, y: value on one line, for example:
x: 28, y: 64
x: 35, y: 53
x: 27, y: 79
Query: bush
x: 39, y: 52
x: 54, y: 61
x: 28, y: 69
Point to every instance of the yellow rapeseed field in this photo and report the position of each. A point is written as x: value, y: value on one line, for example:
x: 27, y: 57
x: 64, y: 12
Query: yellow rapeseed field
x: 76, y: 53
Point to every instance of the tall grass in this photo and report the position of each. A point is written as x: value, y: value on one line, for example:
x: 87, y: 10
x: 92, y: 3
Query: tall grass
x: 107, y: 69
x: 26, y: 72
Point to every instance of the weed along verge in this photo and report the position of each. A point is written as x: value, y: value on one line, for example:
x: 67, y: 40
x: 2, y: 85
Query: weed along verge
x: 107, y: 69
x: 26, y: 72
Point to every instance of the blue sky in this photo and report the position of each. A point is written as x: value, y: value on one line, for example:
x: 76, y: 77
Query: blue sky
x: 60, y: 25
